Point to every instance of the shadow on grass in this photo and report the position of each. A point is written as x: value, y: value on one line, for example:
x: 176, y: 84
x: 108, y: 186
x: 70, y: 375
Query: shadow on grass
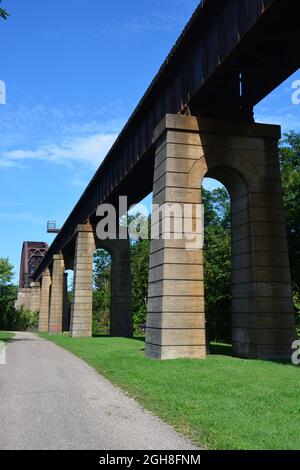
x: 136, y: 338
x: 215, y: 349
x: 220, y: 349
x: 226, y: 350
x: 140, y: 338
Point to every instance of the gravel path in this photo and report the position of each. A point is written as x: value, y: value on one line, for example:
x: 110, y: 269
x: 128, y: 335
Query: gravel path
x: 50, y: 399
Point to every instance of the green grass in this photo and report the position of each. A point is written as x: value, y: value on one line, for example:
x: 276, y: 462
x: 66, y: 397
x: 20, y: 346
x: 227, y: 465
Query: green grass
x: 5, y: 337
x: 220, y: 403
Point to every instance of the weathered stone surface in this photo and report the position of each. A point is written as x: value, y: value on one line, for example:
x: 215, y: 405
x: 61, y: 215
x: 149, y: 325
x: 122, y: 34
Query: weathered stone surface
x: 45, y: 300
x: 23, y: 299
x: 155, y: 351
x: 66, y: 319
x: 185, y: 320
x: 56, y: 296
x: 82, y: 301
x: 35, y: 293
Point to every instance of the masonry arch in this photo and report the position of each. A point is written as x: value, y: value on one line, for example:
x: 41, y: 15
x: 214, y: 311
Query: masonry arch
x: 102, y: 265
x: 120, y: 305
x: 224, y: 325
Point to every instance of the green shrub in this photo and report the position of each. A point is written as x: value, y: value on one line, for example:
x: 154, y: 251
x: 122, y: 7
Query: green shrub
x: 297, y: 308
x: 21, y: 319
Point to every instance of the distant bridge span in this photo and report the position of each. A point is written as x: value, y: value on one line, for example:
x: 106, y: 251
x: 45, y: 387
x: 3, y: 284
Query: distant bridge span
x: 230, y: 56
x: 32, y: 255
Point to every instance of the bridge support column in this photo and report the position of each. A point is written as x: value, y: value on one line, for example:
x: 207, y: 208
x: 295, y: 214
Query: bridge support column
x: 44, y: 302
x: 82, y: 303
x: 66, y: 320
x: 176, y: 317
x: 56, y: 297
x: 35, y: 292
x: 244, y: 157
x: 23, y: 299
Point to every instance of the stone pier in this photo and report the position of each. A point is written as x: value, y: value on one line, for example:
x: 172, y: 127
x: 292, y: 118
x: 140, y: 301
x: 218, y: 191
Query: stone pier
x: 56, y: 297
x: 23, y: 299
x: 244, y: 157
x: 82, y: 303
x: 66, y: 320
x: 35, y: 292
x: 44, y: 302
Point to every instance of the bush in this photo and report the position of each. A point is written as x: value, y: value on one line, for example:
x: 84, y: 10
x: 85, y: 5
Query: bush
x: 297, y: 309
x: 21, y: 319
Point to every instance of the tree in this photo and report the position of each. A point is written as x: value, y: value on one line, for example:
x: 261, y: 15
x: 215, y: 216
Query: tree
x: 289, y: 152
x: 102, y: 292
x: 3, y: 13
x: 217, y: 264
x: 139, y: 269
x: 7, y: 293
x: 6, y: 272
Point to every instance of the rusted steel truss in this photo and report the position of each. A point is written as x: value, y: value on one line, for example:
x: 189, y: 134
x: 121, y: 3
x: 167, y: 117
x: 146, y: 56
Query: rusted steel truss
x: 32, y: 255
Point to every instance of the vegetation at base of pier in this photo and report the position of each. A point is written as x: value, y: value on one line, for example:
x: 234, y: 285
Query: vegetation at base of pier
x: 11, y: 318
x: 222, y: 402
x: 22, y: 319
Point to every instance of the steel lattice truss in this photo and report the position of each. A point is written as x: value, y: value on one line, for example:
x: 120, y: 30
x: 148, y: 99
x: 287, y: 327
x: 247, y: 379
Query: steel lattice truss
x: 32, y: 254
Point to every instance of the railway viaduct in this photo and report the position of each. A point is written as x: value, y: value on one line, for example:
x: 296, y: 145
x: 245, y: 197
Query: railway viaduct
x: 195, y: 120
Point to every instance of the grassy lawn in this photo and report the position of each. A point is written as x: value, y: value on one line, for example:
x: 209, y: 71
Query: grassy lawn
x: 4, y: 336
x: 221, y: 402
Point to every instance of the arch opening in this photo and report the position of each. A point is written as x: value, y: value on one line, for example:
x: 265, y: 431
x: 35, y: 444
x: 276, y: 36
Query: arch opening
x: 102, y: 268
x: 225, y: 197
x: 67, y: 299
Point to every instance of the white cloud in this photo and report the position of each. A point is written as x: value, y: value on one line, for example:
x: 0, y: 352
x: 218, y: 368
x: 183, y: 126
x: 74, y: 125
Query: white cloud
x: 88, y: 150
x: 288, y: 121
x: 58, y: 134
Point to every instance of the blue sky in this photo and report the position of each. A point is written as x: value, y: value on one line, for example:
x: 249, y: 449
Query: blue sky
x: 74, y: 72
